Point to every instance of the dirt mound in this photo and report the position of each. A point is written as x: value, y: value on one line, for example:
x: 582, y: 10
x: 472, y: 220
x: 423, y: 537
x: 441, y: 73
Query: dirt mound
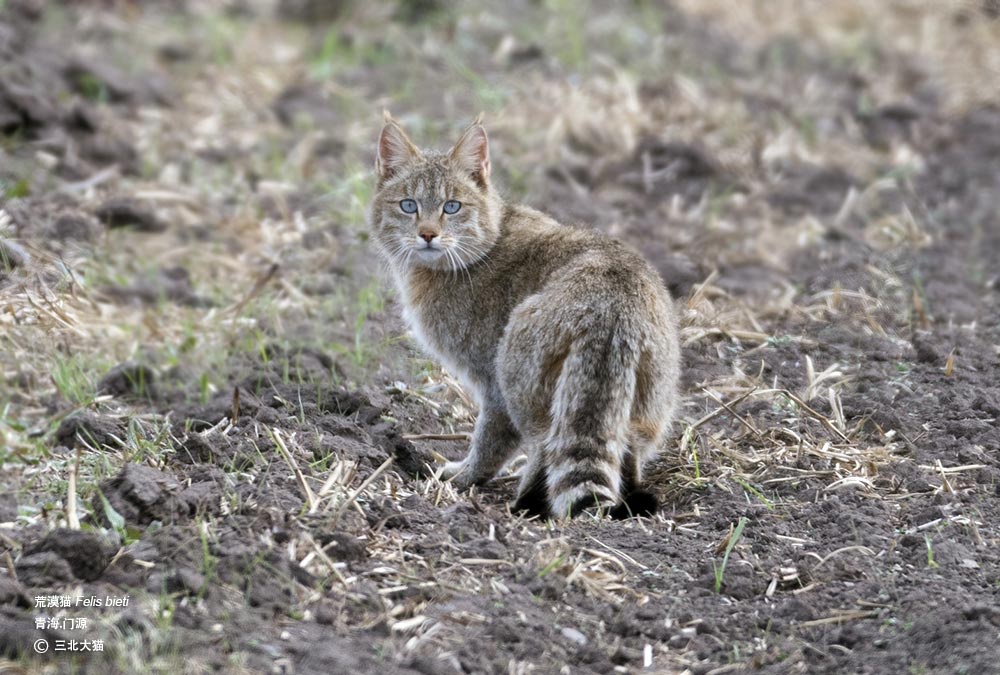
x: 141, y: 495
x: 44, y: 99
x: 86, y: 553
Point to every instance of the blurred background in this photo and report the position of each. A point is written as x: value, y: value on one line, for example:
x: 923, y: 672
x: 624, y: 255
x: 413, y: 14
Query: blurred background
x: 750, y: 141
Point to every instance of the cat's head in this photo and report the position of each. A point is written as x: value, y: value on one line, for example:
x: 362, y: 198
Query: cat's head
x: 434, y: 209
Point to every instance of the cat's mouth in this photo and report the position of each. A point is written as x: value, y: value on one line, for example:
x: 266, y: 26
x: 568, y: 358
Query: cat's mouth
x: 428, y: 253
x: 434, y: 256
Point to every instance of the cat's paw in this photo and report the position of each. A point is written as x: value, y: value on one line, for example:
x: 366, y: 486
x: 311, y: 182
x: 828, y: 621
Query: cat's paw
x: 451, y: 469
x: 458, y: 473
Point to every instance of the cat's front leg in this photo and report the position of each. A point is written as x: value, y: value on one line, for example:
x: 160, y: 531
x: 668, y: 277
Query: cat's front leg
x: 493, y: 442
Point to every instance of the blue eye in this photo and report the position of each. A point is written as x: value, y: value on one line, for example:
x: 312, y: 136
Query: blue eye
x: 408, y: 206
x: 451, y: 206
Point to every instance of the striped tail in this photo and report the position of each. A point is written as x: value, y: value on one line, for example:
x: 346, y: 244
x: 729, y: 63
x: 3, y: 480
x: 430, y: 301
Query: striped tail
x: 588, y: 439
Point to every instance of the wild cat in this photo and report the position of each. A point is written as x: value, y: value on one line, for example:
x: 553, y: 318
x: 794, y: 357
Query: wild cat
x: 566, y: 338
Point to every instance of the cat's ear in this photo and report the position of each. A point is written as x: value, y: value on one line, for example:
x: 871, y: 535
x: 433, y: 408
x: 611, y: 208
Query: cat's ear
x: 394, y: 149
x: 472, y: 153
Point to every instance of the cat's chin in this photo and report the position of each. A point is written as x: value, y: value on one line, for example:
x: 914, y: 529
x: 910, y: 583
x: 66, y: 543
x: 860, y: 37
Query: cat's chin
x: 430, y: 258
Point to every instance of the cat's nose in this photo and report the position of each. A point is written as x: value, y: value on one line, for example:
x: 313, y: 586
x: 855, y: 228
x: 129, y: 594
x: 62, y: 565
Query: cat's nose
x: 427, y: 235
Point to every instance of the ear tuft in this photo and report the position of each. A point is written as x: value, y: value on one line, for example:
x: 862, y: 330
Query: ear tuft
x: 472, y: 153
x: 394, y: 149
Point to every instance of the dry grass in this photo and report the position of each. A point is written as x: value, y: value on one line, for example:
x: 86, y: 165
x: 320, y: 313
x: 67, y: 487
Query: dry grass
x: 954, y: 40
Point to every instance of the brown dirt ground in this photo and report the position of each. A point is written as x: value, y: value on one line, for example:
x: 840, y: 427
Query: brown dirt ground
x: 194, y: 339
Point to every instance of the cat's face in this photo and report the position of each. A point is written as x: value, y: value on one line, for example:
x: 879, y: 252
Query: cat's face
x: 432, y: 209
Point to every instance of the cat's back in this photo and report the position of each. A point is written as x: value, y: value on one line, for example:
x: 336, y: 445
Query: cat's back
x: 535, y: 245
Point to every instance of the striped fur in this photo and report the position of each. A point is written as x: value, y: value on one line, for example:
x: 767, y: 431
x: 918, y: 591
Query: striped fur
x: 567, y: 338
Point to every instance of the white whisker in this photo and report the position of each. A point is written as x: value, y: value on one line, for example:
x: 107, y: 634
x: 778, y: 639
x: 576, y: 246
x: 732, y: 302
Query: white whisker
x: 479, y: 255
x: 458, y: 250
